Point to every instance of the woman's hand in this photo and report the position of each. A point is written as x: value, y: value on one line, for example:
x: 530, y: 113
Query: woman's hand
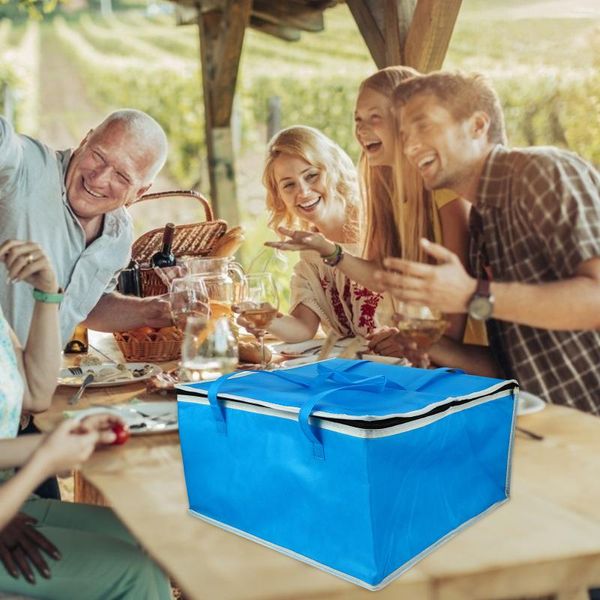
x: 105, y: 425
x: 303, y: 240
x: 387, y: 341
x: 69, y: 445
x: 26, y: 261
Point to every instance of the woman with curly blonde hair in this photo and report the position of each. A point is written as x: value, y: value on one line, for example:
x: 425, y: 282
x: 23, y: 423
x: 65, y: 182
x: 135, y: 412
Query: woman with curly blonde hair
x: 312, y: 191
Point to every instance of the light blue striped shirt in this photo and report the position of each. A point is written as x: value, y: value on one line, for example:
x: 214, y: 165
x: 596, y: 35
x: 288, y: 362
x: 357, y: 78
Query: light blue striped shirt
x: 33, y: 206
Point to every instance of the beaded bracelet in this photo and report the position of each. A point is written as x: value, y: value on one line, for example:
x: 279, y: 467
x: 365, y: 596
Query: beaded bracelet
x: 335, y: 257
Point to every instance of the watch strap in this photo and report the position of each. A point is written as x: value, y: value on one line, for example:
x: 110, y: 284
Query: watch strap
x: 483, y: 288
x: 47, y: 297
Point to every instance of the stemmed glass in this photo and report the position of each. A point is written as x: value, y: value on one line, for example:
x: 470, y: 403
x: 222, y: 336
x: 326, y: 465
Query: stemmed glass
x: 259, y: 306
x: 419, y: 324
x: 188, y: 297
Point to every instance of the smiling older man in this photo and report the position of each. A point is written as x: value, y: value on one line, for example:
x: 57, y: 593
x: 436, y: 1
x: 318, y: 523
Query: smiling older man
x: 74, y: 204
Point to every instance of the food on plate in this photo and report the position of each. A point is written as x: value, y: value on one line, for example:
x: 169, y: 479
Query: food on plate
x: 121, y: 434
x: 107, y: 373
x: 250, y: 352
x: 112, y: 373
x: 86, y: 360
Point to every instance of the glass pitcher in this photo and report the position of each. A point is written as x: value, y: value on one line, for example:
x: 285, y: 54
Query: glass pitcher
x: 224, y: 280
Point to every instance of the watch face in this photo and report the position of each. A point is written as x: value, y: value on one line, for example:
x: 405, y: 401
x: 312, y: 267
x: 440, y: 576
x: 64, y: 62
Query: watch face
x: 480, y: 308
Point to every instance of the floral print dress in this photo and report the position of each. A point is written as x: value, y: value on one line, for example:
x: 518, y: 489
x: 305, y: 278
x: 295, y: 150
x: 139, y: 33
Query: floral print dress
x: 341, y: 304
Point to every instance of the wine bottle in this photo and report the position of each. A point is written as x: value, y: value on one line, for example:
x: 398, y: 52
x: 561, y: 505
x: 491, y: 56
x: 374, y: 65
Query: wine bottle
x: 165, y: 258
x: 78, y: 344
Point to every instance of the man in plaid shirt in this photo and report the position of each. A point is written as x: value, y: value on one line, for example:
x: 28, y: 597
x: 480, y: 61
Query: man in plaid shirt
x: 535, y: 242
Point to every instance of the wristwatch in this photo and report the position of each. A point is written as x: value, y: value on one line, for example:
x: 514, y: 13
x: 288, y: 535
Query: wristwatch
x: 481, y: 305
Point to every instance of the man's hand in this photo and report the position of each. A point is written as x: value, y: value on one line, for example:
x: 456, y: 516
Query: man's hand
x: 387, y: 341
x: 20, y: 545
x: 445, y: 286
x: 303, y: 240
x: 157, y: 311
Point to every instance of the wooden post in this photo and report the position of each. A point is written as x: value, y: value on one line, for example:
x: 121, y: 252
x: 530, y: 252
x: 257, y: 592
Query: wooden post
x: 273, y: 116
x: 406, y: 32
x: 221, y: 26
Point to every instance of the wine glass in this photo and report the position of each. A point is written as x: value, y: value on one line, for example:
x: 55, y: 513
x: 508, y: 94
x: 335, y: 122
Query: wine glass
x: 188, y: 297
x: 259, y: 306
x: 209, y: 348
x: 419, y: 324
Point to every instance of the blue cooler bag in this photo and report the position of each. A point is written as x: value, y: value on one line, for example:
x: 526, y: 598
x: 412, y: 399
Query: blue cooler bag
x: 355, y: 467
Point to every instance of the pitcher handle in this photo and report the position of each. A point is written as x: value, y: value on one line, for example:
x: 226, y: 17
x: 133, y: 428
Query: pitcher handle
x: 237, y: 272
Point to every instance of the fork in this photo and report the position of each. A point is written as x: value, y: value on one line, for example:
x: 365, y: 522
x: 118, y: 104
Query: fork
x: 74, y: 399
x: 75, y: 370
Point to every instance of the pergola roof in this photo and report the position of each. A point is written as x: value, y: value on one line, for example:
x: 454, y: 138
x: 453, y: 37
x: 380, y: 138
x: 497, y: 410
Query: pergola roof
x: 409, y: 32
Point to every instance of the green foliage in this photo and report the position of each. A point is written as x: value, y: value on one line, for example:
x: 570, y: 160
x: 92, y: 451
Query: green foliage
x: 328, y: 107
x: 20, y: 9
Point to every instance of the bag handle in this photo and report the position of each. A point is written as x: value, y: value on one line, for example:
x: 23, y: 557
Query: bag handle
x: 430, y: 376
x: 208, y: 213
x: 308, y: 382
x: 375, y: 384
x: 323, y: 374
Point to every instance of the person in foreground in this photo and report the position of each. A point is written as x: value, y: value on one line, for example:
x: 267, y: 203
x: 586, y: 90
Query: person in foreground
x: 535, y: 247
x: 90, y: 548
x: 311, y: 186
x: 74, y: 203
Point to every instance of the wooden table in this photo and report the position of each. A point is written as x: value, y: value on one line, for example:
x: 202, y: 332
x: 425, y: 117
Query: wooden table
x: 545, y: 541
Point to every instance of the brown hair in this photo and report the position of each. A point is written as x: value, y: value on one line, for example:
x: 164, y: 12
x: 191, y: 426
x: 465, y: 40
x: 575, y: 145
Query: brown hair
x: 463, y: 94
x: 339, y: 173
x: 396, y: 203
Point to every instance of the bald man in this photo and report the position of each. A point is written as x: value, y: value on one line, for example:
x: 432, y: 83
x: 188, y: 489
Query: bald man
x: 74, y: 203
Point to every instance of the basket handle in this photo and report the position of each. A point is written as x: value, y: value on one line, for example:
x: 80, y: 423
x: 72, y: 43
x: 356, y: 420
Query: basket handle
x: 188, y: 193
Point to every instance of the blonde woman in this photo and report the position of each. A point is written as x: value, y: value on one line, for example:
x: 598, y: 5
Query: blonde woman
x: 312, y: 196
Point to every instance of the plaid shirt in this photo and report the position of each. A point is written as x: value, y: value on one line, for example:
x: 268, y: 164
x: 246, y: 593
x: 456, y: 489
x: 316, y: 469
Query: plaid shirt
x: 536, y: 218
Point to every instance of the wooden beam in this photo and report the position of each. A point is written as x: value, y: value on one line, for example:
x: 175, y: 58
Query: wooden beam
x: 221, y: 38
x: 288, y: 34
x: 398, y: 16
x: 306, y: 18
x: 429, y: 34
x: 370, y: 20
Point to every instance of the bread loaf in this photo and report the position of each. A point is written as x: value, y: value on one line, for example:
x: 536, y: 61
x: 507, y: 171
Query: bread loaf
x: 249, y: 352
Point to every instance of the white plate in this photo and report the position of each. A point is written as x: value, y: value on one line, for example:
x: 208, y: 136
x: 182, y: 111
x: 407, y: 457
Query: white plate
x: 157, y: 417
x: 66, y: 378
x: 301, y: 360
x: 529, y: 403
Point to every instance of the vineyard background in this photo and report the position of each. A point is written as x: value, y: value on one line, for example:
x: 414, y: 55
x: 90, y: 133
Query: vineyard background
x: 66, y: 71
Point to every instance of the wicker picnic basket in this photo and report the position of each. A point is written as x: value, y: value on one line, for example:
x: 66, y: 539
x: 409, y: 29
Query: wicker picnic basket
x: 207, y: 238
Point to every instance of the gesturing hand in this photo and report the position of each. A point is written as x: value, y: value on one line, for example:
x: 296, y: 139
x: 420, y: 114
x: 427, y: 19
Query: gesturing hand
x: 26, y: 261
x: 445, y: 286
x: 20, y: 545
x: 303, y: 240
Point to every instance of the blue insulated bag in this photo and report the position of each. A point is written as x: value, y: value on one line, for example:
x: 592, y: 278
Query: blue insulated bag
x: 355, y: 467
